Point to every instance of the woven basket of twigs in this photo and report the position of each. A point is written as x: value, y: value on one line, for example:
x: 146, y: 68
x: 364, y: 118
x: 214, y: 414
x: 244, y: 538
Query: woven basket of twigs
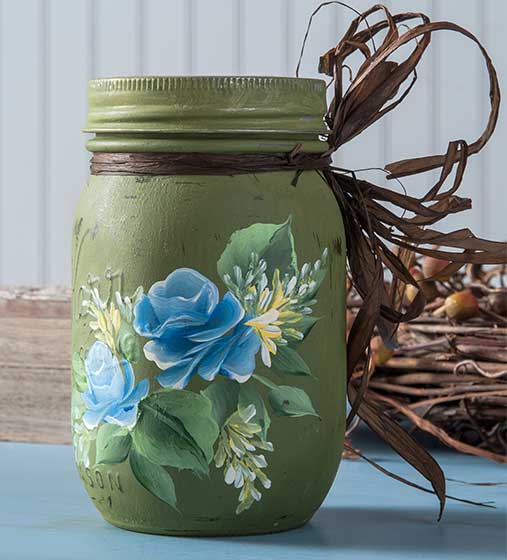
x: 448, y: 374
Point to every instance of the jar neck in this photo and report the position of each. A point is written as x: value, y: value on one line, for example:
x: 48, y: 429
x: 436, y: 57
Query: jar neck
x: 210, y: 143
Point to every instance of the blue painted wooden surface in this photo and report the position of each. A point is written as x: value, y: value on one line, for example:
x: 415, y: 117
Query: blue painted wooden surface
x: 45, y: 515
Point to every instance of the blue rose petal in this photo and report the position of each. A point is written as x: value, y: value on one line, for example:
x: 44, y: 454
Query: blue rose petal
x: 124, y: 417
x: 178, y: 375
x: 167, y: 352
x: 192, y: 331
x: 240, y: 363
x: 139, y: 392
x: 145, y: 321
x: 212, y: 359
x: 111, y: 395
x: 226, y: 315
x: 184, y: 292
x: 127, y: 414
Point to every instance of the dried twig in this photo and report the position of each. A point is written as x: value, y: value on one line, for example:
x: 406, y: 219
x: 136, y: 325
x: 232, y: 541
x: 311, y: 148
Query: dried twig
x: 450, y: 379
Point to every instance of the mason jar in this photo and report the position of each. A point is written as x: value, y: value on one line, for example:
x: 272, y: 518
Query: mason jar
x: 209, y: 364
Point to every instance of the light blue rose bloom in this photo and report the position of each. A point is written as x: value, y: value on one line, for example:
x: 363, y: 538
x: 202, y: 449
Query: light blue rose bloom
x: 111, y: 395
x: 193, y: 331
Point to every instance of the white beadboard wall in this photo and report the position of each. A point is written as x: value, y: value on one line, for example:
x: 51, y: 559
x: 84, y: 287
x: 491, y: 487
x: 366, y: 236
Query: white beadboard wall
x: 50, y: 48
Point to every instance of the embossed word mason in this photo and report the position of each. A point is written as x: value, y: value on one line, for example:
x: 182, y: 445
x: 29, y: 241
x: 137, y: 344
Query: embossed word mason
x: 95, y: 478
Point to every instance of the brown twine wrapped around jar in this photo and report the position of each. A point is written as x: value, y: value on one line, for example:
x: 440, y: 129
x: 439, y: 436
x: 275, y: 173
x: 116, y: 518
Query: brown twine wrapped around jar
x: 372, y: 229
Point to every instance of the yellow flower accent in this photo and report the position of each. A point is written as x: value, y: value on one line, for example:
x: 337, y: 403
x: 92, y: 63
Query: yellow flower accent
x: 267, y: 322
x: 268, y: 331
x: 106, y: 325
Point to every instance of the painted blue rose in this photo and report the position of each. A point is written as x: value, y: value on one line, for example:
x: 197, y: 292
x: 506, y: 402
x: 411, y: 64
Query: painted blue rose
x: 111, y: 395
x: 193, y: 331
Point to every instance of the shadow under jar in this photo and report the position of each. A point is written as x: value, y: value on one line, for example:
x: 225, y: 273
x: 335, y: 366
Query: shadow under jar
x: 208, y: 307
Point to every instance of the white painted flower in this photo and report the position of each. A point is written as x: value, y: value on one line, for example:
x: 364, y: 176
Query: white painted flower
x: 277, y: 311
x: 82, y: 438
x: 268, y: 331
x: 238, y: 452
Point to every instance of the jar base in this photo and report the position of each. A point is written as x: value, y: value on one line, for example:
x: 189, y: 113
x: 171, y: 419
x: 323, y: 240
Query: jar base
x: 282, y: 526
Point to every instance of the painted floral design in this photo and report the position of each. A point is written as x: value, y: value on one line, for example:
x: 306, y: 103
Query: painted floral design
x: 192, y: 331
x: 239, y: 452
x: 281, y: 312
x: 82, y: 437
x: 111, y: 395
x: 187, y: 326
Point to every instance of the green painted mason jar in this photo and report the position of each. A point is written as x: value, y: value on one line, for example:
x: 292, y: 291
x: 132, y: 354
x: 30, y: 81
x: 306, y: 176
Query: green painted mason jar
x: 208, y: 310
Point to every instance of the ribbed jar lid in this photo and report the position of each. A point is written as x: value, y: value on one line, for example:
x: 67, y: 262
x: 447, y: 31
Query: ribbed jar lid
x: 207, y: 104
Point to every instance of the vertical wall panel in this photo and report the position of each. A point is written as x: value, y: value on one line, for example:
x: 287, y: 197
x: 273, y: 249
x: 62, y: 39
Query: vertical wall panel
x: 462, y: 97
x: 214, y: 37
x: 22, y: 100
x: 408, y: 129
x: 320, y: 37
x: 118, y: 38
x: 49, y: 48
x: 66, y: 114
x: 327, y: 25
x: 495, y: 191
x: 263, y: 38
x: 164, y: 37
x: 368, y: 149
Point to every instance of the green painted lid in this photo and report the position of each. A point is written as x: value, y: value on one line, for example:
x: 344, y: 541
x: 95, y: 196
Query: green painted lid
x: 206, y: 113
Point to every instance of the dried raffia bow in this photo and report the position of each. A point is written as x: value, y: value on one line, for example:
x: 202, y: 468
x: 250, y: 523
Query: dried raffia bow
x: 373, y: 230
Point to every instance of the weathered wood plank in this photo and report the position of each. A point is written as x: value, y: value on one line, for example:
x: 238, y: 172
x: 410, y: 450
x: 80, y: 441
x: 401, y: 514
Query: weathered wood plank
x: 24, y: 301
x: 35, y: 404
x: 34, y: 342
x: 35, y: 355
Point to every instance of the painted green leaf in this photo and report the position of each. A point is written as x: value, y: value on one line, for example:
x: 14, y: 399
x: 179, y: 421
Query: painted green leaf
x: 248, y: 394
x: 176, y: 428
x: 113, y: 444
x: 287, y: 360
x: 128, y: 343
x: 280, y: 251
x: 305, y: 324
x: 154, y: 478
x: 194, y: 412
x: 78, y: 372
x: 223, y: 395
x: 164, y: 441
x: 272, y: 242
x: 291, y: 401
x: 78, y: 407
